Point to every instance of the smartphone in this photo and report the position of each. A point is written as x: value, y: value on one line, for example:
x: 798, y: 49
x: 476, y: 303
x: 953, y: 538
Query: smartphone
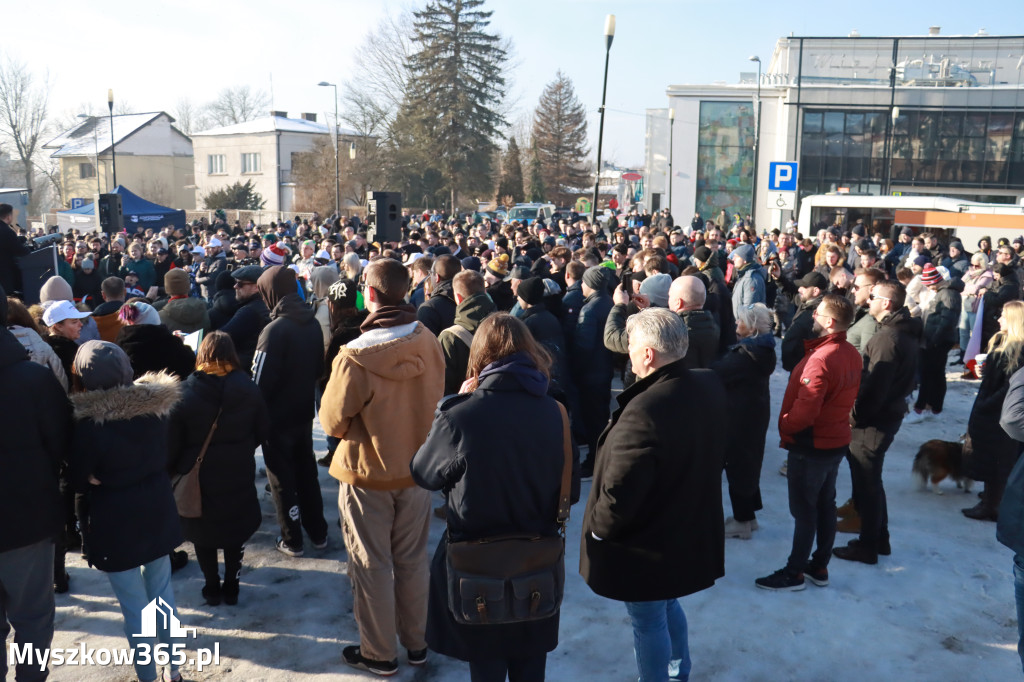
x: 627, y: 283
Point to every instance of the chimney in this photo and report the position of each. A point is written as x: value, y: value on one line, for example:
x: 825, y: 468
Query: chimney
x: 934, y: 30
x: 854, y: 34
x: 309, y: 117
x: 279, y: 114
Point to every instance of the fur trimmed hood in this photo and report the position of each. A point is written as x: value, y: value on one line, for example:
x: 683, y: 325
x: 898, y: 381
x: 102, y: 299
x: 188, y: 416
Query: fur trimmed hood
x: 152, y: 395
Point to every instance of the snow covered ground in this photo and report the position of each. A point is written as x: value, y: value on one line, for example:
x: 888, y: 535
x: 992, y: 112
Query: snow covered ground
x: 940, y: 608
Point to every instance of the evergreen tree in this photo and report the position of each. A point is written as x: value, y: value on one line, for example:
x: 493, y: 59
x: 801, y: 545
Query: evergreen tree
x: 511, y: 184
x: 455, y: 87
x: 236, y: 196
x: 537, y: 188
x: 560, y: 138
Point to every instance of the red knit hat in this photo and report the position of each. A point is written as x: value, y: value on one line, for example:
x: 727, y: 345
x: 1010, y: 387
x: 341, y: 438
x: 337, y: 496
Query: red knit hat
x: 930, y: 275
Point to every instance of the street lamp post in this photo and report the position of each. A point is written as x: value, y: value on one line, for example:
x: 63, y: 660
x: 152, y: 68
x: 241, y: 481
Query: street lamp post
x: 95, y: 147
x: 671, y: 131
x: 757, y: 139
x: 113, y: 155
x: 609, y: 34
x: 337, y: 153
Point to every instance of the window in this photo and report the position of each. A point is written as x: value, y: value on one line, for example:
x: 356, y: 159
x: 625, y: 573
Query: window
x: 86, y: 170
x: 215, y: 162
x: 725, y: 157
x: 251, y: 162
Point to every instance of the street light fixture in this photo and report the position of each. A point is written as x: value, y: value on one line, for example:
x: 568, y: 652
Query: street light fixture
x: 337, y: 153
x: 113, y: 155
x: 609, y: 35
x: 757, y: 138
x: 671, y: 131
x: 96, y: 148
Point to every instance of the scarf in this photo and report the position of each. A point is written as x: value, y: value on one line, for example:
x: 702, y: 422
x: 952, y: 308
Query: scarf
x: 521, y: 366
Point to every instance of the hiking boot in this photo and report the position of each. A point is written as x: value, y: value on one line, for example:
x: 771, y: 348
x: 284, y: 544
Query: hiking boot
x: 284, y: 548
x: 418, y: 657
x: 738, y: 529
x: 847, y: 509
x: 850, y: 524
x: 326, y: 460
x: 856, y: 550
x: 981, y: 512
x: 354, y: 658
x: 816, y: 575
x: 782, y: 580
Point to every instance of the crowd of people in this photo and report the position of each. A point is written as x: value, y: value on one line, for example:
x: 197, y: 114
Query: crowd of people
x: 210, y: 341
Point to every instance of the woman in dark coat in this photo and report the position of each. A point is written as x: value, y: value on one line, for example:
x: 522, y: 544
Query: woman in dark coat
x: 745, y: 370
x: 119, y: 468
x: 227, y: 475
x: 494, y: 486
x: 224, y: 303
x: 150, y: 346
x: 993, y: 451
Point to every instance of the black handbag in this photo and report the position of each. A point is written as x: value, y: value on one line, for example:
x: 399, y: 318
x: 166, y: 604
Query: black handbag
x: 512, y: 578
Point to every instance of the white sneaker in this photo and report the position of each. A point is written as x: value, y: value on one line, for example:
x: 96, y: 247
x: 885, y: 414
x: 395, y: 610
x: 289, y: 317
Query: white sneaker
x: 738, y: 529
x: 916, y: 417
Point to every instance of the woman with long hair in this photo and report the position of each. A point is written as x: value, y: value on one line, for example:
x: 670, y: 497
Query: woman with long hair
x: 994, y: 452
x: 220, y: 389
x: 494, y: 486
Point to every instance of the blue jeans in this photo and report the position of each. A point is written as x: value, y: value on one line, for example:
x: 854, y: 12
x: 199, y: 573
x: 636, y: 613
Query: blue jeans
x: 1018, y: 592
x: 134, y: 589
x: 659, y: 640
x: 965, y: 327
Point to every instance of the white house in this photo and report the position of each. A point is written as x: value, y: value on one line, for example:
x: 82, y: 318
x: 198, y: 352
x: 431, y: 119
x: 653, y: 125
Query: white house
x: 153, y: 158
x: 262, y: 150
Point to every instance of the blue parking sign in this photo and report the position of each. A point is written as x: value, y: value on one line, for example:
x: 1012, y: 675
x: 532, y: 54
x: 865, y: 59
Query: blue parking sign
x: 782, y: 176
x: 77, y: 202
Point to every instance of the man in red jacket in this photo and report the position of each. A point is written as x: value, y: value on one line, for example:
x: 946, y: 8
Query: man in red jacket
x: 814, y: 425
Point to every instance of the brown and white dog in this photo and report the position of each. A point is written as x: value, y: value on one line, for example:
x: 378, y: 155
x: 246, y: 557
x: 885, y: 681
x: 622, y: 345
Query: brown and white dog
x: 938, y: 459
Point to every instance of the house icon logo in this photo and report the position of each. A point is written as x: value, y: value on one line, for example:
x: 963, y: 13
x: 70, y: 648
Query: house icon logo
x: 158, y: 615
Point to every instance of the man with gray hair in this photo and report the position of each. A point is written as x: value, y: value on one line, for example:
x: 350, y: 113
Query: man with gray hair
x: 652, y: 530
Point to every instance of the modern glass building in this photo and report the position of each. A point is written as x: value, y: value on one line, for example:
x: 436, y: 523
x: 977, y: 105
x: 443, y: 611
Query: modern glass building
x: 869, y: 115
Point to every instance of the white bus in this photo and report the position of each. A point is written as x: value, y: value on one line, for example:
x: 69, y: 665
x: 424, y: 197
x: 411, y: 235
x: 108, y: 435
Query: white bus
x: 967, y: 220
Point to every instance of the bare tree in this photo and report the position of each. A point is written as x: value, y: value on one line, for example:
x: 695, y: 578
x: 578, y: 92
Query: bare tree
x: 188, y: 117
x: 23, y: 109
x: 381, y: 68
x: 237, y: 105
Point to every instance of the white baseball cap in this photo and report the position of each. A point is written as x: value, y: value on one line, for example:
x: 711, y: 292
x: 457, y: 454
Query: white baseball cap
x: 214, y: 242
x: 60, y: 311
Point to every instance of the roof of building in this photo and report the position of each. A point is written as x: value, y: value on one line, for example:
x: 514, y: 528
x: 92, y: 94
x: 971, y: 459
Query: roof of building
x: 93, y: 133
x: 273, y: 124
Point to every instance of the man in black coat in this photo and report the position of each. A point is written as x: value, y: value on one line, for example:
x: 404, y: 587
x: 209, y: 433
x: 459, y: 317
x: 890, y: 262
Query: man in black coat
x: 252, y: 314
x: 718, y: 300
x: 686, y: 298
x: 890, y: 375
x: 288, y: 363
x: 652, y: 529
x: 11, y: 247
x: 812, y: 288
x: 438, y: 312
x: 941, y: 316
x: 35, y: 418
x: 590, y: 362
x: 545, y: 327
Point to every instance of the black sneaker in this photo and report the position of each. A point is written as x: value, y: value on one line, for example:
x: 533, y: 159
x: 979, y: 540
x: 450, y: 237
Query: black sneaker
x: 284, y: 548
x: 418, y: 657
x: 816, y: 575
x: 782, y: 580
x: 354, y: 658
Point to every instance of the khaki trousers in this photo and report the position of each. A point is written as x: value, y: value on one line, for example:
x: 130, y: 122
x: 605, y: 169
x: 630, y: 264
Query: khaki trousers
x: 386, y: 537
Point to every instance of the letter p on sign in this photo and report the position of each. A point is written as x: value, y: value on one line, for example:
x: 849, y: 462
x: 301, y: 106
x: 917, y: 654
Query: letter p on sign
x: 782, y: 176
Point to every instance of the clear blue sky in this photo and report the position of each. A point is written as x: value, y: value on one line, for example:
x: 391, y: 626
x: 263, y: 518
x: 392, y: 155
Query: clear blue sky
x: 153, y: 53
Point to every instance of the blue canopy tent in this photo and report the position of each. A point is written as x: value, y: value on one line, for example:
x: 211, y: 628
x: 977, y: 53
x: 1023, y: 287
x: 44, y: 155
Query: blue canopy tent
x: 138, y: 214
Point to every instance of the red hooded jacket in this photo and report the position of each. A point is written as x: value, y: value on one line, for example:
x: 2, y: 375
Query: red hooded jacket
x: 820, y: 395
